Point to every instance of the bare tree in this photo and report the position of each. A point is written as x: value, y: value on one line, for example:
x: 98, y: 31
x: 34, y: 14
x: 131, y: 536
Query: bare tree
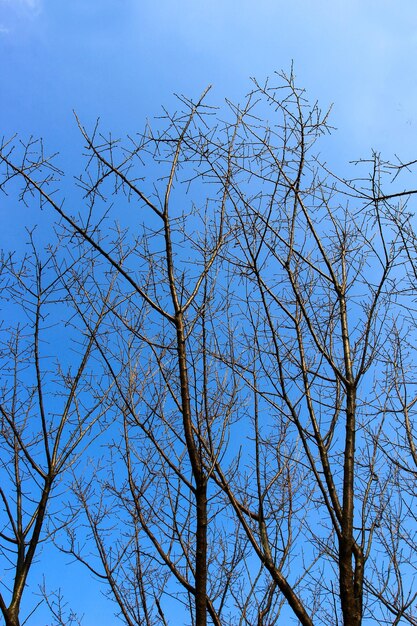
x: 256, y: 343
x: 324, y: 265
x: 51, y: 407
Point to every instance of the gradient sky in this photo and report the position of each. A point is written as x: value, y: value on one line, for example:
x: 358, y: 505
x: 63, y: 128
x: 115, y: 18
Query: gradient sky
x: 122, y: 59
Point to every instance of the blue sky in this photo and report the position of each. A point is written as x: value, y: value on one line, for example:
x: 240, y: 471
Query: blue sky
x: 122, y: 59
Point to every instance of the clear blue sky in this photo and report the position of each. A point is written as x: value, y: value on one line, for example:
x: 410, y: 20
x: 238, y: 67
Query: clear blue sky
x: 122, y: 59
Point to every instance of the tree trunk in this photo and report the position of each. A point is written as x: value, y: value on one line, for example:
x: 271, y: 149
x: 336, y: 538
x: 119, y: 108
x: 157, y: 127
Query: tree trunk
x: 201, y: 556
x: 350, y: 587
x: 11, y: 617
